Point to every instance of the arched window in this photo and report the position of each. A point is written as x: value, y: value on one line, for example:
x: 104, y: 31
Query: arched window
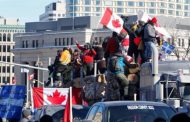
x: 4, y: 37
x: 9, y: 37
x: 0, y: 37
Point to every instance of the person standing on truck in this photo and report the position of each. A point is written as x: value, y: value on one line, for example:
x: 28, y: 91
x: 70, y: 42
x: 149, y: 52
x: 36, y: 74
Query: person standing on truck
x: 88, y: 54
x: 149, y: 37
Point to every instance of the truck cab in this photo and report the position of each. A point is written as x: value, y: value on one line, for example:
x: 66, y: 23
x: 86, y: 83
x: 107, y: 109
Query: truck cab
x: 172, y: 84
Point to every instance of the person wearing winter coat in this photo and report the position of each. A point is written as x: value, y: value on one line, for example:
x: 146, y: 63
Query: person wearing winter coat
x: 87, y: 58
x: 149, y: 37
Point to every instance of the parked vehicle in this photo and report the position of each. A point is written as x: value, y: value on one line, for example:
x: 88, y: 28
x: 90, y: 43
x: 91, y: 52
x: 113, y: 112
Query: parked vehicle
x: 57, y: 112
x: 172, y: 84
x: 129, y: 111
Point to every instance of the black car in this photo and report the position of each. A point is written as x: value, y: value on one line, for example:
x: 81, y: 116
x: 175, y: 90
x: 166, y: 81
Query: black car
x: 129, y: 111
x: 57, y: 112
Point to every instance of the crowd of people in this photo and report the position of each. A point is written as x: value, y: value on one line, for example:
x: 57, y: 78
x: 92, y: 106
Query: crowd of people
x: 118, y: 60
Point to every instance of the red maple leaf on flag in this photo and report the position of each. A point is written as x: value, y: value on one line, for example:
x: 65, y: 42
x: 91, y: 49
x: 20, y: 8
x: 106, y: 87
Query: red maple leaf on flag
x: 116, y: 23
x: 56, y: 98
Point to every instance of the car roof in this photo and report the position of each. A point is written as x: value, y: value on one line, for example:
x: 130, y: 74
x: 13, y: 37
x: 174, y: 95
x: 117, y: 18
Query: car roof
x: 120, y: 103
x: 63, y: 106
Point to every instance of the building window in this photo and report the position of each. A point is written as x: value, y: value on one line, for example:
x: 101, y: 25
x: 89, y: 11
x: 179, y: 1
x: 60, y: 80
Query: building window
x: 8, y: 48
x: 71, y: 8
x: 152, y: 11
x: 23, y: 44
x: 33, y: 43
x: 178, y: 13
x: 67, y: 41
x: 140, y: 4
x: 130, y: 3
x: 4, y: 71
x: 51, y: 15
x: 54, y: 6
x: 171, y: 12
x: 151, y: 4
x: 130, y: 10
x: 87, y: 9
x: 63, y: 41
x: 119, y: 3
x: 72, y: 42
x: 59, y: 41
x: 183, y: 43
x: 55, y: 41
x: 187, y: 1
x: 4, y: 48
x: 8, y: 59
x: 187, y: 14
x: 97, y: 9
x: 163, y: 5
x: 178, y: 7
x: 172, y: 6
x: 179, y: 42
x: 26, y: 44
x: 97, y: 2
x: 9, y: 37
x: 37, y: 43
x: 162, y: 11
x: 87, y: 2
x: 4, y: 37
x: 120, y: 10
x: 187, y: 7
x: 4, y: 58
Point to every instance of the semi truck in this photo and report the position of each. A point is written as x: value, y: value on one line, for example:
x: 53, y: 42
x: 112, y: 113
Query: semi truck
x: 166, y: 81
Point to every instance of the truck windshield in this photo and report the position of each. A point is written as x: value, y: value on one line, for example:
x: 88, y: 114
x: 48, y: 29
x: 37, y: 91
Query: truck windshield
x: 186, y: 94
x: 138, y: 113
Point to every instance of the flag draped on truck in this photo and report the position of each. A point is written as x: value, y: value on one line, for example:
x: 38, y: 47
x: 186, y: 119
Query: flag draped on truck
x: 49, y: 96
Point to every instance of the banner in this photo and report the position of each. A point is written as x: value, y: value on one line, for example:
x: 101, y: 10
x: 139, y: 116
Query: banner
x: 49, y: 96
x: 12, y: 101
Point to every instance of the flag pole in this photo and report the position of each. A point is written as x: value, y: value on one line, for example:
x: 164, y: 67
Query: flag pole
x: 71, y: 104
x: 32, y: 100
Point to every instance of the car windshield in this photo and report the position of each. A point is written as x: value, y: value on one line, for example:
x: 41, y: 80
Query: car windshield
x: 138, y: 113
x: 186, y: 94
x: 78, y: 114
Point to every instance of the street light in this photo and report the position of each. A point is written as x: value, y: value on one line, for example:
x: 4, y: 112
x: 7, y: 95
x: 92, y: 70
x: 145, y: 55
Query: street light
x: 38, y: 64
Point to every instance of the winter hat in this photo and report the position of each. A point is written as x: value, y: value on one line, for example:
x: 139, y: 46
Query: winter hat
x: 154, y: 20
x: 26, y: 113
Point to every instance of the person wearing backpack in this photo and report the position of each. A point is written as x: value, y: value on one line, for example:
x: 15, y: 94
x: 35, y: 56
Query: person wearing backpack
x: 117, y: 65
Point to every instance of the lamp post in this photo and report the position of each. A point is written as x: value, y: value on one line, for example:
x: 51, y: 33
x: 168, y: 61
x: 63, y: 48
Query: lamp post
x: 38, y: 64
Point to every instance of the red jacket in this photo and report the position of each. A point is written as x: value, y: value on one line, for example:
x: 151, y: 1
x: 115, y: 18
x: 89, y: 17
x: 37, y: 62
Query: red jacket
x: 88, y: 55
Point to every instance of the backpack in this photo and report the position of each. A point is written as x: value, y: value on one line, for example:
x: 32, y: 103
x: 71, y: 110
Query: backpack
x: 113, y: 67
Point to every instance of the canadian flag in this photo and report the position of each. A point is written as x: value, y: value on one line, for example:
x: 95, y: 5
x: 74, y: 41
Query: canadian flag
x: 112, y: 21
x: 48, y: 96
